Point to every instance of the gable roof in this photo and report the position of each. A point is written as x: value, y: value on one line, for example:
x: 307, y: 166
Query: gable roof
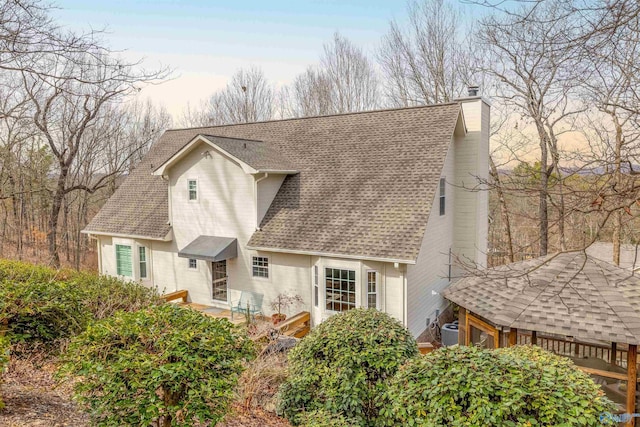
x: 253, y: 156
x: 571, y: 294
x: 365, y: 188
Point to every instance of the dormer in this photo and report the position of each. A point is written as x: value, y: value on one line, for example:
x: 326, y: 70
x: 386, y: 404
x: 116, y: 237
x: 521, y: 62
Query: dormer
x: 261, y: 160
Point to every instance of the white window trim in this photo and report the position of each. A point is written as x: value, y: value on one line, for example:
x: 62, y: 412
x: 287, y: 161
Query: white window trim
x: 189, y: 264
x: 189, y: 190
x: 324, y: 287
x: 377, y: 292
x: 146, y: 262
x: 268, y: 258
x: 316, y: 286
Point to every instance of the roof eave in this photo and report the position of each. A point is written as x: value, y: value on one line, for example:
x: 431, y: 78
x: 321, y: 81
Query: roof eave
x: 166, y: 238
x: 332, y: 255
x: 248, y: 169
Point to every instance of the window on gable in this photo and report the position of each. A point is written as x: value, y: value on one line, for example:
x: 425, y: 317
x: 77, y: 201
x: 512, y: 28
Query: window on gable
x: 124, y: 263
x: 260, y: 266
x: 193, y: 263
x: 142, y: 261
x: 193, y: 189
x: 442, y: 196
x: 340, y: 289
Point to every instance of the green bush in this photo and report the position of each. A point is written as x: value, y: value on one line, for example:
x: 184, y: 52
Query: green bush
x: 516, y: 386
x: 164, y: 364
x: 342, y: 366
x: 42, y: 312
x: 4, y: 361
x: 43, y: 306
x: 104, y: 295
x: 19, y: 271
x: 321, y: 418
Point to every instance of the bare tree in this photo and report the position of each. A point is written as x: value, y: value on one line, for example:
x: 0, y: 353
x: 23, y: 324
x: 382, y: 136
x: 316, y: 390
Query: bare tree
x: 430, y: 60
x: 345, y: 81
x: 612, y: 125
x: 538, y: 82
x: 248, y: 97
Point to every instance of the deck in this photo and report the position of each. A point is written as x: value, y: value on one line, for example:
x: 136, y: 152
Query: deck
x: 296, y: 326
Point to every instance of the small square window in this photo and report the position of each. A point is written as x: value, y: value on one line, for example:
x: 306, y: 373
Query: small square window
x: 193, y: 189
x: 193, y: 263
x: 260, y: 266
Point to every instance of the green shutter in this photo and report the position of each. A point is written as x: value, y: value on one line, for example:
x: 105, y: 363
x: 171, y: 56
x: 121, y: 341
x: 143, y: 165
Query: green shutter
x: 124, y: 261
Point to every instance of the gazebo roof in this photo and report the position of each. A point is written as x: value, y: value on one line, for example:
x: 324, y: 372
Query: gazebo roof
x: 569, y: 294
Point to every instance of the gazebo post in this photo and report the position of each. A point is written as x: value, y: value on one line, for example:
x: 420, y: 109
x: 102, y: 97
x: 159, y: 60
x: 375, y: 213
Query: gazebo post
x: 632, y: 378
x: 534, y: 338
x: 513, y: 336
x: 613, y: 359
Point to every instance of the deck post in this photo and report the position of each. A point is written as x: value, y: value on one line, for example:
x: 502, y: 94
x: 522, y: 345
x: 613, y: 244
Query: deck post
x: 613, y: 357
x: 534, y: 338
x: 513, y: 337
x: 632, y: 378
x: 462, y: 334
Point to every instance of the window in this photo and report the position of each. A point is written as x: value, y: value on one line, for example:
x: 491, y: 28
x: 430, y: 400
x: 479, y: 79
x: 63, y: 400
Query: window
x: 142, y: 260
x: 193, y: 189
x: 316, y: 292
x: 340, y: 289
x: 442, y: 201
x: 124, y: 264
x: 372, y: 289
x: 193, y: 263
x: 260, y: 266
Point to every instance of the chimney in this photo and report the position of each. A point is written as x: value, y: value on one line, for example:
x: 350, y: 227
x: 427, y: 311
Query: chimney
x: 473, y: 90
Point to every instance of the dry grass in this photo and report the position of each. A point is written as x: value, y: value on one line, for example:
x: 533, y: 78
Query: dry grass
x: 33, y: 398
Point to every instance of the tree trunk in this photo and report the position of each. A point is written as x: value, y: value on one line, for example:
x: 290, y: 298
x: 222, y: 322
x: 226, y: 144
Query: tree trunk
x: 617, y: 178
x: 56, y: 205
x: 503, y: 208
x: 543, y: 209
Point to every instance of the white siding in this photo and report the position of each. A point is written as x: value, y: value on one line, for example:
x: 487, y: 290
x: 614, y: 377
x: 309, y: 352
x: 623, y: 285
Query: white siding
x: 472, y: 162
x: 267, y: 190
x: 430, y: 273
x: 463, y: 228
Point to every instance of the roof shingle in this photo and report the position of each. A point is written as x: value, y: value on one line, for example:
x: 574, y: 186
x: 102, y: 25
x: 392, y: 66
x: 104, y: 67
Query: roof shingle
x: 365, y: 187
x: 570, y: 294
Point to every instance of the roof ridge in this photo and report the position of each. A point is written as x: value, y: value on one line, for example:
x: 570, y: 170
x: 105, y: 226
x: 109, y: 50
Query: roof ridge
x: 228, y: 137
x: 608, y: 266
x: 382, y: 110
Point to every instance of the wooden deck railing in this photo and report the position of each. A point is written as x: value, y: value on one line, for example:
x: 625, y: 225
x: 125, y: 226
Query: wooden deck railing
x: 182, y: 294
x: 297, y: 326
x: 576, y: 348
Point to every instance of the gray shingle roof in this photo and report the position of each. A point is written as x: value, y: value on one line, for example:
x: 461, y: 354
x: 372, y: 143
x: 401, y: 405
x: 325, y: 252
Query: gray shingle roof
x: 365, y: 187
x: 260, y: 155
x: 570, y: 294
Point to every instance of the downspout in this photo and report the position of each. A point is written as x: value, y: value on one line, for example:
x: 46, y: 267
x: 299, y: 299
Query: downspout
x: 255, y: 197
x: 99, y: 253
x: 166, y: 179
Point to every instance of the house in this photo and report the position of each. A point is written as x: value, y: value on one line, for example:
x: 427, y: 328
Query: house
x: 361, y: 209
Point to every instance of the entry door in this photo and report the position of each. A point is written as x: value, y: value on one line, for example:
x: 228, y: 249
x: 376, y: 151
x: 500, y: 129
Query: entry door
x: 219, y: 280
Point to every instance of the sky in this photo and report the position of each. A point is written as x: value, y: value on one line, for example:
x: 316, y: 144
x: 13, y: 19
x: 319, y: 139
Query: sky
x: 205, y: 42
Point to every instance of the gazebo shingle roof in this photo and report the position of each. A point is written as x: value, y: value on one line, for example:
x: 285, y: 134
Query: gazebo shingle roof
x: 570, y: 294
